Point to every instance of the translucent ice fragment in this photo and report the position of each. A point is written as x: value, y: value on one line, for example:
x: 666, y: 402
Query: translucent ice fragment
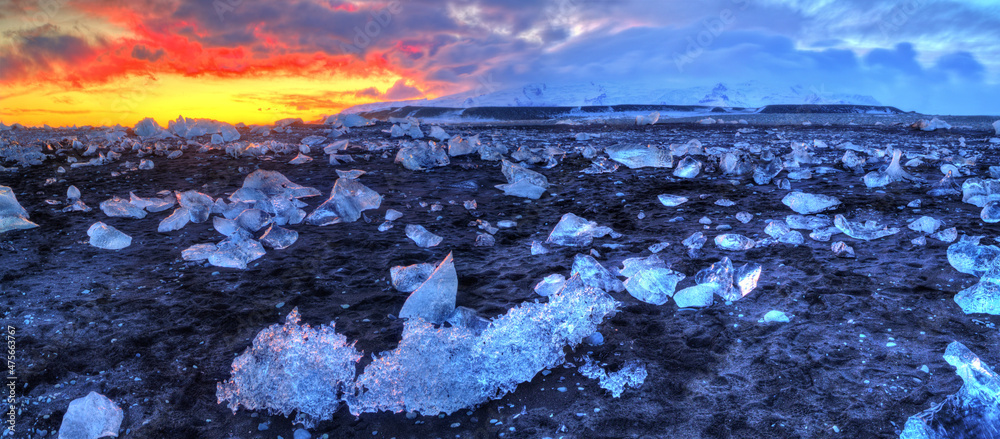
x: 807, y: 204
x: 550, y: 284
x: 978, y: 192
x: 421, y: 236
x: 236, y: 251
x: 417, y: 156
x: 631, y: 266
x: 734, y: 242
x: 515, y: 173
x: 671, y: 200
x: 523, y: 189
x: 868, y: 231
x: 638, y: 156
x: 198, y: 252
x: 946, y: 235
x: 434, y: 299
x: 458, y: 146
x: 538, y: 249
x: 348, y: 199
x: 393, y: 215
x: 278, y: 237
x: 300, y: 159
x: 970, y: 257
x: 947, y: 186
x: 274, y: 183
x: 593, y: 274
x: 575, y: 231
x: 810, y: 222
x: 73, y: 193
x: 991, y: 212
x: 107, y: 237
x: 152, y: 204
x: 408, y: 278
x: 91, y: 417
x: 688, y: 167
x: 776, y: 228
x: 649, y: 119
x: 696, y: 241
x: 12, y: 215
x: 695, y: 296
x: 745, y: 279
x: 842, y: 250
x: 632, y: 374
x: 253, y: 219
x: 199, y: 205
x: 925, y: 224
x: 653, y: 285
x: 177, y: 220
x: 763, y: 174
x: 744, y: 217
x: 117, y: 207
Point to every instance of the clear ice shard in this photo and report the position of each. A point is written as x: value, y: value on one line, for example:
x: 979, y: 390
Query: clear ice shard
x: 236, y: 251
x: 696, y: 241
x: 734, y: 242
x: 199, y: 205
x: 925, y: 225
x: 421, y: 236
x: 406, y: 278
x: 947, y: 235
x: 177, y: 220
x: 671, y: 200
x: 631, y: 266
x: 807, y: 204
x: 550, y: 284
x: 970, y: 257
x: 348, y: 199
x: 688, y: 167
x: 978, y: 192
x: 434, y: 299
x: 593, y: 274
x: 253, y: 219
x: 991, y: 212
x: 523, y: 189
x: 278, y: 237
x: 632, y: 374
x: 152, y: 205
x: 119, y: 208
x: 522, y: 182
x: 653, y: 285
x: 868, y: 231
x: 696, y: 296
x: 107, y: 237
x: 765, y: 173
x: 91, y: 417
x: 419, y: 155
x: 458, y: 146
x: 292, y: 367
x: 393, y: 215
x: 745, y: 279
x: 12, y: 215
x: 637, y: 156
x: 575, y: 231
x: 971, y: 413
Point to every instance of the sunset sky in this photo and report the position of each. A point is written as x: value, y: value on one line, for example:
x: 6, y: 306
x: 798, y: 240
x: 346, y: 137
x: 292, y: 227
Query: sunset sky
x: 65, y: 62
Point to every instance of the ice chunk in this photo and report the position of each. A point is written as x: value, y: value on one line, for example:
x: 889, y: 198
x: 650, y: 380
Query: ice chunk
x: 438, y: 133
x: 968, y: 256
x: 637, y: 156
x: 807, y: 204
x: 946, y: 235
x: 948, y: 186
x: 408, y: 278
x: 273, y: 183
x: 696, y: 241
x: 696, y: 296
x: 734, y: 242
x: 972, y: 412
x: 688, y: 167
x: 421, y: 236
x: 631, y: 266
x: 91, y: 417
x: 148, y: 129
x: 991, y: 212
x: 117, y: 207
x: 925, y: 224
x: 236, y: 251
x: 458, y: 146
x: 278, y: 237
x: 775, y: 316
x: 632, y: 374
x: 983, y: 297
x: 978, y: 192
x: 467, y: 318
x: 593, y: 274
x: 292, y: 367
x: 73, y: 193
x: 300, y: 159
x: 776, y: 229
x: 417, y: 156
x: 107, y: 237
x: 152, y: 205
x: 177, y: 220
x: 550, y: 284
x: 745, y: 279
x: 765, y: 173
x: 653, y: 285
x: 522, y: 188
x: 434, y: 299
x: 810, y: 222
x: 393, y: 215
x: 348, y: 199
x: 744, y: 217
x: 515, y: 173
x: 538, y: 249
x: 868, y: 231
x: 12, y: 215
x: 198, y: 252
x: 649, y: 119
x: 842, y: 250
x: 933, y: 124
x: 485, y: 240
x: 198, y: 205
x: 996, y: 127
x: 671, y: 200
x: 575, y: 231
x: 253, y: 219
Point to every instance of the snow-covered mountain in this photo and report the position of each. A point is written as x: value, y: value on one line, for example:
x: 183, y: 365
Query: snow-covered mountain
x: 746, y: 94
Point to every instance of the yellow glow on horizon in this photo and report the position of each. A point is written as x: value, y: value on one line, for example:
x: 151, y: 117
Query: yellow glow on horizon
x: 260, y: 100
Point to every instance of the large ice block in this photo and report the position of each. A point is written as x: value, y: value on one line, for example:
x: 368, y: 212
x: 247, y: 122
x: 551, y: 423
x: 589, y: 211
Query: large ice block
x: 417, y: 156
x: 653, y: 285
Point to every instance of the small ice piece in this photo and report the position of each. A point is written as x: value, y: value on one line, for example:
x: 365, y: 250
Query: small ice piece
x: 947, y: 186
x: 972, y: 412
x: 12, y: 215
x: 969, y: 257
x: 353, y: 173
x: 348, y: 199
x: 434, y: 299
x: 152, y: 205
x: 919, y: 241
x: 734, y: 242
x: 764, y: 174
x: 725, y: 202
x: 991, y: 212
x: 73, y: 193
x: 236, y: 251
x: 538, y: 249
x: 745, y: 279
x: 300, y: 159
x: 470, y: 205
x: 696, y: 241
x: 91, y: 417
x: 688, y: 167
x: 117, y: 207
x: 198, y: 252
x: 776, y: 229
x: 696, y: 296
x: 926, y: 225
x: 177, y: 220
x: 672, y: 200
x: 421, y: 236
x: 659, y: 246
x: 550, y: 284
x: 419, y: 155
x: 914, y: 204
x: 575, y: 231
x: 807, y: 204
x: 485, y: 240
x: 978, y: 192
x: 145, y: 164
x: 253, y: 219
x: 107, y: 237
x: 593, y: 274
x: 523, y: 189
x: 842, y: 250
x: 278, y: 237
x: 744, y: 217
x: 637, y: 156
x: 632, y: 374
x: 408, y: 278
x: 824, y: 234
x: 653, y: 285
x: 868, y: 231
x: 649, y: 119
x: 198, y: 205
x: 631, y: 266
x: 877, y: 179
x: 775, y: 316
x: 946, y: 235
x: 810, y: 222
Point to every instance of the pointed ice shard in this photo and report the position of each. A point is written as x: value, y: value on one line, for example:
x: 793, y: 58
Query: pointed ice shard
x: 348, y: 199
x: 278, y: 237
x: 407, y: 278
x: 421, y: 236
x: 593, y: 274
x: 947, y: 186
x: 688, y: 167
x: 575, y: 231
x: 176, y: 221
x: 868, y: 231
x: 12, y: 215
x: 434, y: 299
x: 807, y: 204
x: 107, y: 237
